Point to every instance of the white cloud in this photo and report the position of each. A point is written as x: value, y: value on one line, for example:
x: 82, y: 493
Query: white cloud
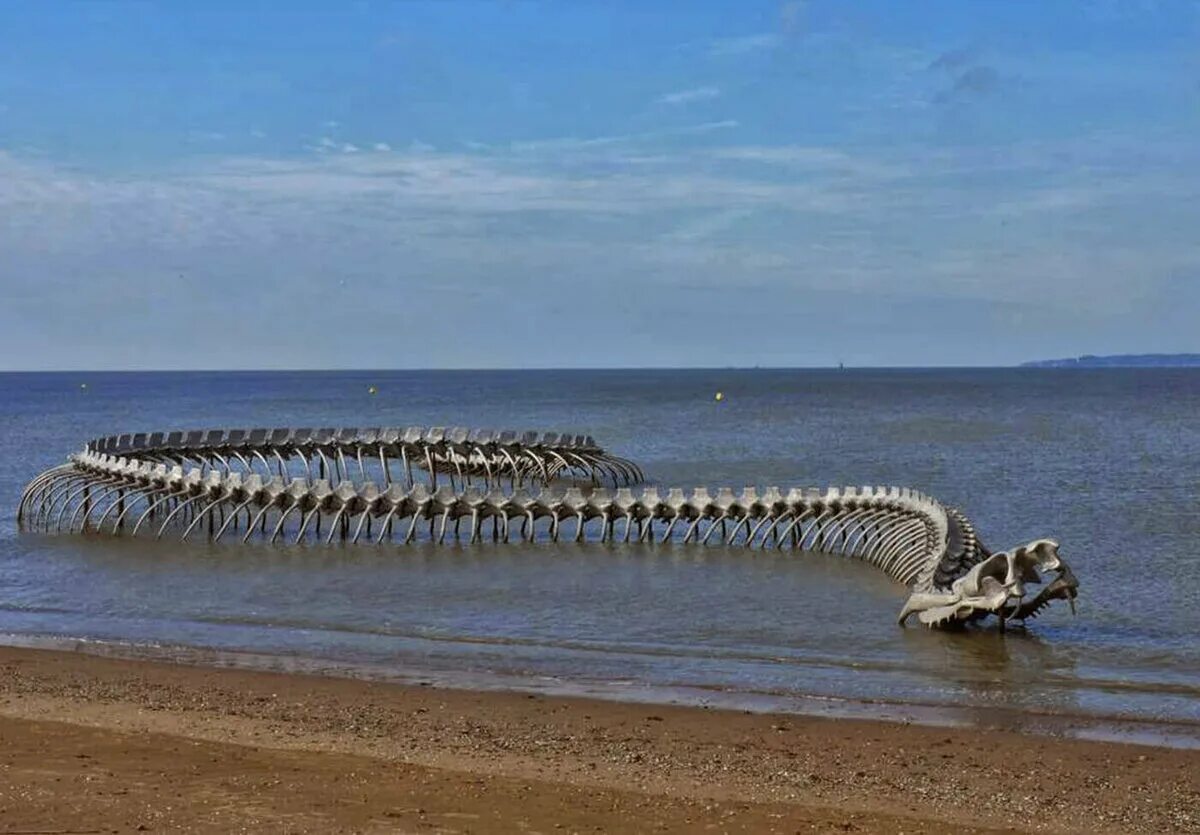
x: 381, y: 146
x: 1032, y: 228
x: 814, y: 158
x: 744, y: 45
x: 707, y: 226
x: 327, y: 144
x: 572, y: 143
x: 689, y: 96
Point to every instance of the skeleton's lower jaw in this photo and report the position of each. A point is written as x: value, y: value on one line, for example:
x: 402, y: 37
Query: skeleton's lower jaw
x: 997, y: 586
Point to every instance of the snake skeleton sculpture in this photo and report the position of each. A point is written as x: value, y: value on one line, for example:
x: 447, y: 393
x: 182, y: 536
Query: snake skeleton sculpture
x: 427, y: 484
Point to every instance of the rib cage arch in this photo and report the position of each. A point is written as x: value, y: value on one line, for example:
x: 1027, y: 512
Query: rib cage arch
x: 402, y: 455
x: 403, y: 485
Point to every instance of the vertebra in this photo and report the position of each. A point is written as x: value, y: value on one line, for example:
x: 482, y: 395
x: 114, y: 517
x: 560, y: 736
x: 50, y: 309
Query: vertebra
x: 285, y: 483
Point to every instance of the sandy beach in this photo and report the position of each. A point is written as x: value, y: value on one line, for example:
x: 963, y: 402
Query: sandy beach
x: 92, y: 744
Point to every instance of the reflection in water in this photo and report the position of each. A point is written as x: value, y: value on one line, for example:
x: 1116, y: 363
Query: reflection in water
x: 1085, y: 457
x: 1014, y: 670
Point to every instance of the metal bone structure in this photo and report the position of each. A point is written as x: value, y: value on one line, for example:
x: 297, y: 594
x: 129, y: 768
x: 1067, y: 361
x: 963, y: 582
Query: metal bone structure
x: 382, y: 484
x: 387, y: 455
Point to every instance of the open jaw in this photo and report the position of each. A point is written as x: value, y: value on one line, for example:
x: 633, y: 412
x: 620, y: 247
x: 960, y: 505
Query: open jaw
x: 999, y: 585
x: 410, y: 484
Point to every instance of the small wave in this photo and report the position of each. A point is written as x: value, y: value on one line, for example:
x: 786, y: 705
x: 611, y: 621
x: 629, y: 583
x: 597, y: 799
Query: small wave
x: 1143, y: 682
x: 33, y: 609
x: 579, y: 645
x: 1116, y: 727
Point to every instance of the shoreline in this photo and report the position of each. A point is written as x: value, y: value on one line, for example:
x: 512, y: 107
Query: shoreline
x: 1131, y: 729
x: 128, y: 742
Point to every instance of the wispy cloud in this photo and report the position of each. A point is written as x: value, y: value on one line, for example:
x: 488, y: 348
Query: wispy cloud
x: 689, y: 96
x: 327, y: 145
x: 707, y: 226
x: 572, y: 142
x: 878, y: 156
x: 744, y: 45
x: 815, y: 159
x: 200, y: 136
x: 1029, y: 229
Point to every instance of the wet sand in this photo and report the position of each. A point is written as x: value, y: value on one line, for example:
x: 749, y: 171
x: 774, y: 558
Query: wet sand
x: 90, y: 744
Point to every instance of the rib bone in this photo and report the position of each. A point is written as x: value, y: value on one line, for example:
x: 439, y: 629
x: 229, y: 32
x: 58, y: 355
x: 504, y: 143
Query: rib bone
x: 176, y: 480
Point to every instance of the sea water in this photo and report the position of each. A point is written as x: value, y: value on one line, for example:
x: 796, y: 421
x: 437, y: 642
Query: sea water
x: 1107, y: 461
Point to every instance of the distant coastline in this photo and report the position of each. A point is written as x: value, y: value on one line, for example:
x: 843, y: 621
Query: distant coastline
x: 1120, y: 361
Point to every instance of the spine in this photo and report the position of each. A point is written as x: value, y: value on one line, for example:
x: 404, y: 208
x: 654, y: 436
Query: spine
x: 898, y: 530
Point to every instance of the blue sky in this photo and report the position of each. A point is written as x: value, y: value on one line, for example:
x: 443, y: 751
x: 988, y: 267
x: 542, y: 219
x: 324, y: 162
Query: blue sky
x: 507, y: 184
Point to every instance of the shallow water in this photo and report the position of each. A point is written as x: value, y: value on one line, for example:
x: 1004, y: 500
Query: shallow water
x: 1107, y: 461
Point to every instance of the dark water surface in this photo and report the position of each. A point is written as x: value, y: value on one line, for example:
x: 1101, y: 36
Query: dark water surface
x: 1107, y: 461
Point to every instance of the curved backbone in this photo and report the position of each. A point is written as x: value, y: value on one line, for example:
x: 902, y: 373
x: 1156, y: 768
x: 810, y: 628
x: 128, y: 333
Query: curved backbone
x: 383, y: 484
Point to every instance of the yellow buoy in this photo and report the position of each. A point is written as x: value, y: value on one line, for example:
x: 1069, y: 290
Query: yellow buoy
x: 372, y: 390
x: 720, y: 396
